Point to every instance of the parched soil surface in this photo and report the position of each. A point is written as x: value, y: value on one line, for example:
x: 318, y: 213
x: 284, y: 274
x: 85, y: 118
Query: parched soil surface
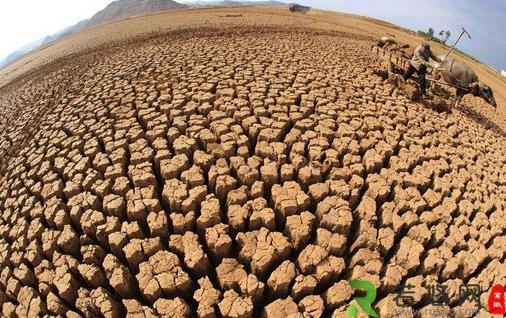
x: 240, y: 172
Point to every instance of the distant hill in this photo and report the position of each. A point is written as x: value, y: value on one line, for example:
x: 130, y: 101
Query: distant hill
x: 228, y: 3
x: 117, y: 10
x: 121, y: 9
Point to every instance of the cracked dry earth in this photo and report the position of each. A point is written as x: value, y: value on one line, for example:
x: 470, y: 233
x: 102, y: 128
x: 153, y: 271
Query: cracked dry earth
x: 238, y: 173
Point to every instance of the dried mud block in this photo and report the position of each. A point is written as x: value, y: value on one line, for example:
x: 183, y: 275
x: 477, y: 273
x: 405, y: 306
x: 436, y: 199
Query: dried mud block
x: 172, y: 168
x: 86, y: 304
x: 230, y: 273
x: 329, y: 270
x: 238, y: 196
x: 298, y: 228
x: 140, y: 201
x: 237, y: 217
x: 56, y: 305
x: 378, y: 188
x: 366, y: 264
x: 311, y: 306
x: 9, y: 310
x: 333, y: 243
x: 310, y: 257
x: 420, y: 233
x: 193, y: 177
x: 176, y: 308
x: 248, y: 176
x: 281, y: 308
x: 105, y: 303
x: 210, y: 213
x: 117, y: 241
x: 220, y: 168
x: 49, y: 240
x: 158, y: 224
x: 366, y: 212
x: 12, y: 287
x: 497, y: 249
x: 137, y: 250
x: 303, y: 286
x: 30, y: 303
x: 174, y: 194
x: 386, y: 240
x: 224, y: 184
x: 269, y: 173
x: 92, y: 275
x: 263, y: 250
x: 207, y: 298
x: 92, y: 254
x: 287, y: 173
x: 257, y: 189
x: 203, y: 160
x: 45, y: 274
x: 261, y: 215
x: 281, y: 278
x: 197, y: 195
x: 162, y: 275
x: 194, y: 257
x: 119, y: 276
x: 25, y: 275
x: 436, y: 260
x: 182, y: 223
x: 337, y: 295
x: 235, y: 306
x: 253, y: 288
x: 419, y: 290
x: 142, y: 175
x: 136, y: 310
x: 404, y: 262
x: 121, y: 186
x: 115, y: 205
x: 90, y: 220
x: 66, y: 284
x: 288, y: 200
x: 334, y: 214
x: 372, y: 161
x: 318, y: 191
x: 184, y: 145
x: 219, y: 241
x: 310, y: 174
x: 112, y: 225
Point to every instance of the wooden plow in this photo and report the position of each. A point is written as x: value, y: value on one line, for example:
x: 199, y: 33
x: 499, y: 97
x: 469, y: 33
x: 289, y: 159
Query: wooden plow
x: 397, y: 60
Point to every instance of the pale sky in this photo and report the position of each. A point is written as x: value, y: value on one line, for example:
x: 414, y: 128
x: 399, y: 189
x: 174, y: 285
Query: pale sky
x: 25, y: 21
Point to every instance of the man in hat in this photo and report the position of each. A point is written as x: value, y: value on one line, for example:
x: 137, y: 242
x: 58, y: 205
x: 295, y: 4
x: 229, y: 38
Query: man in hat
x: 419, y: 64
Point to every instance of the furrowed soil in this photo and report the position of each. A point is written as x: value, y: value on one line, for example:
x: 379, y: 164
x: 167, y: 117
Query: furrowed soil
x: 239, y: 162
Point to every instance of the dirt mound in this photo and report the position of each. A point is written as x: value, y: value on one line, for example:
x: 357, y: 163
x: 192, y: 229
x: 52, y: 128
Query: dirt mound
x: 242, y: 174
